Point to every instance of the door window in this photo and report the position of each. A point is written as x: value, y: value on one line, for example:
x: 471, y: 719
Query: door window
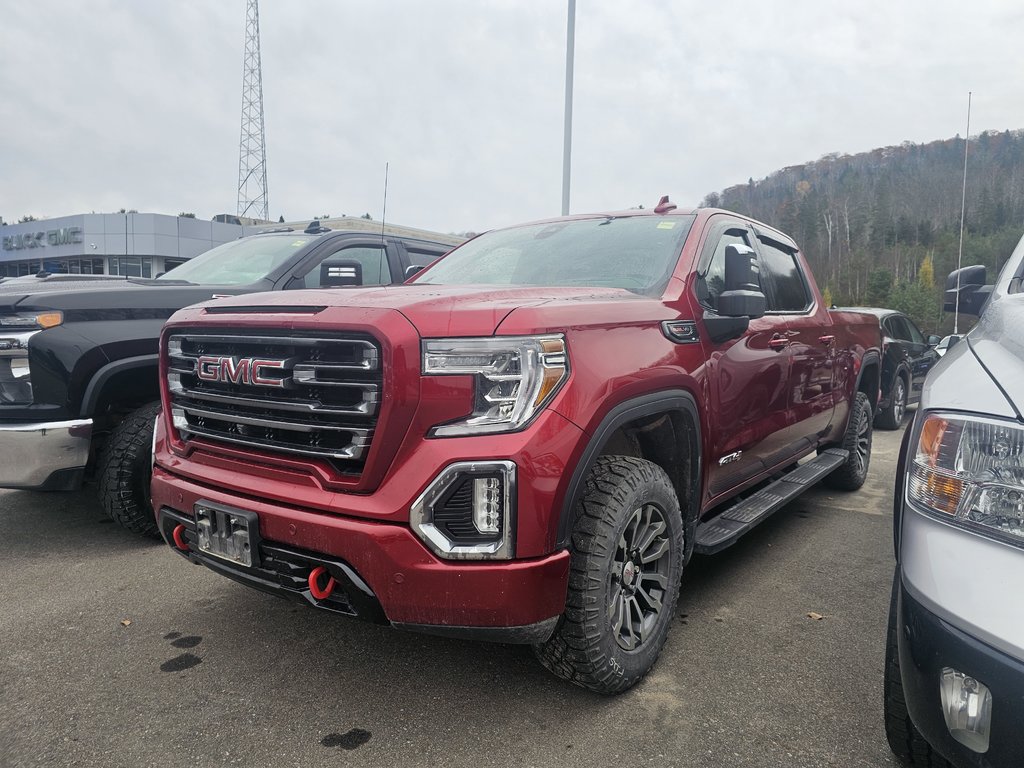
x: 712, y: 280
x: 789, y: 291
x: 898, y: 328
x: 370, y: 262
x: 915, y: 334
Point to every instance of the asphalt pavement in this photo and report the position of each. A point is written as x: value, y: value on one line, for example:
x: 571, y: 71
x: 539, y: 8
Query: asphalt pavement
x: 116, y: 652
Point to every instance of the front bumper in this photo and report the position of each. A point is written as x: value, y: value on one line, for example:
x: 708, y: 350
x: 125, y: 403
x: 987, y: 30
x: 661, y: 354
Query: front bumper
x: 379, y: 565
x: 927, y: 644
x: 48, y: 456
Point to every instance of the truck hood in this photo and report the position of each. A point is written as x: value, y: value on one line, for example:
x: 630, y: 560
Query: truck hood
x: 117, y: 294
x: 998, y: 346
x: 434, y: 310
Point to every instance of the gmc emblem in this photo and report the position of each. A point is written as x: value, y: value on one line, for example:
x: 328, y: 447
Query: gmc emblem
x: 239, y: 370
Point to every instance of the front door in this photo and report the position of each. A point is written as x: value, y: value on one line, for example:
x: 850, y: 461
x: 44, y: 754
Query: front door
x: 748, y: 377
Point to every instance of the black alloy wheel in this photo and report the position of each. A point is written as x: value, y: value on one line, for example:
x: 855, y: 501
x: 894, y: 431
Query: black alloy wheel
x: 891, y: 417
x: 639, y: 577
x: 851, y: 474
x: 624, y: 574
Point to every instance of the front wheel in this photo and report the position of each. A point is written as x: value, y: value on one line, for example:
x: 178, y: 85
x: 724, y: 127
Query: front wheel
x: 904, y: 739
x: 125, y: 470
x: 627, y: 561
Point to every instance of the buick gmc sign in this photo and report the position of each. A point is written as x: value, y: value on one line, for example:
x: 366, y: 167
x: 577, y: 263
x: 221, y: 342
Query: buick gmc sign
x: 62, y: 236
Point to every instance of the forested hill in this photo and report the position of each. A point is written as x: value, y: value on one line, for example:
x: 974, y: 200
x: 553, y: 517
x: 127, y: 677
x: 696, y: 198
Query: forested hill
x: 869, y: 222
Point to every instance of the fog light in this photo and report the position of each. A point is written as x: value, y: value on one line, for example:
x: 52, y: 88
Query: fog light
x: 967, y: 707
x: 468, y: 511
x: 487, y: 504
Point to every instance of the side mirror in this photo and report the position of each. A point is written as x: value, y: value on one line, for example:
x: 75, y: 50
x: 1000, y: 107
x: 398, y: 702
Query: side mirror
x: 742, y: 296
x: 953, y: 341
x: 413, y: 269
x: 973, y: 291
x: 340, y: 274
x: 933, y: 340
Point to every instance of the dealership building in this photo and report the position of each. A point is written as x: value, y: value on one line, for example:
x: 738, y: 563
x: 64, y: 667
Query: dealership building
x: 132, y: 244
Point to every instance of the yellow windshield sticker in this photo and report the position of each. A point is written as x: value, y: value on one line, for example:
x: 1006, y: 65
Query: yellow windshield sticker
x: 666, y: 225
x: 298, y: 243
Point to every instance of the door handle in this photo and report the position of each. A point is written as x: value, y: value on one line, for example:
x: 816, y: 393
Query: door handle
x: 778, y: 342
x: 827, y: 340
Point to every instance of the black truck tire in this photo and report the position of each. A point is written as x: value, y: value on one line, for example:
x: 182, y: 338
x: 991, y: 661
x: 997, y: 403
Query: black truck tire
x: 891, y: 417
x: 852, y: 473
x: 904, y: 739
x: 125, y: 470
x: 625, y: 569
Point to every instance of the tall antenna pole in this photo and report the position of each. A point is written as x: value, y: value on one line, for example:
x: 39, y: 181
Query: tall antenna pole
x: 252, y: 149
x: 963, y: 209
x: 570, y: 52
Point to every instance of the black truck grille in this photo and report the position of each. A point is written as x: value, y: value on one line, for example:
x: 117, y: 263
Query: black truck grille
x: 289, y: 393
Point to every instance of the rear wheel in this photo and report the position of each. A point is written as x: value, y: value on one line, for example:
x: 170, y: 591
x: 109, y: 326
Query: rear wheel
x: 891, y: 417
x: 627, y: 561
x: 125, y: 470
x: 904, y: 739
x: 852, y: 473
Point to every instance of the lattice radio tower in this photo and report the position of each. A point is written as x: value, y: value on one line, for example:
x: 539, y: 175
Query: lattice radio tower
x: 252, y: 150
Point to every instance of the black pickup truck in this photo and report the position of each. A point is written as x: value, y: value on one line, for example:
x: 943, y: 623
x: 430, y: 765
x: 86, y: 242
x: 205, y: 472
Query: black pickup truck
x: 78, y: 354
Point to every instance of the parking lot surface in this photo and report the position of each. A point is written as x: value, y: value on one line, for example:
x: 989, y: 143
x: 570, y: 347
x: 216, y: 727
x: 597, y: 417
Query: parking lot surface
x: 116, y: 652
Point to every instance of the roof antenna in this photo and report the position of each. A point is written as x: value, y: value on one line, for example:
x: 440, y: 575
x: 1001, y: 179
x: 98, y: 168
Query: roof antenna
x: 963, y: 208
x: 664, y: 206
x: 384, y: 213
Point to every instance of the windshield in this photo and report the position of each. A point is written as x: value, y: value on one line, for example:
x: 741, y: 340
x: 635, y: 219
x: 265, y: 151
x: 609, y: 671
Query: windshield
x: 637, y: 253
x: 240, y: 262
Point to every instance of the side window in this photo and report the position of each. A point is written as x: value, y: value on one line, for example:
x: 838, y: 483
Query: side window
x: 712, y: 281
x: 915, y: 333
x: 898, y: 328
x: 423, y: 258
x: 789, y: 292
x: 370, y: 262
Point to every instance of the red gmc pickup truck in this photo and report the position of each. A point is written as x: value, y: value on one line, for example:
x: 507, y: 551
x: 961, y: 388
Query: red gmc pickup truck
x: 527, y: 442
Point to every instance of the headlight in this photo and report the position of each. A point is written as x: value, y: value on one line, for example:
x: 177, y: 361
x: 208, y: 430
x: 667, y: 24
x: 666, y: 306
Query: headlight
x: 516, y: 376
x: 970, y: 472
x: 15, y: 332
x: 31, y: 321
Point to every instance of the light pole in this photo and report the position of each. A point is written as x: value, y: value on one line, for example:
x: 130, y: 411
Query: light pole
x: 570, y: 45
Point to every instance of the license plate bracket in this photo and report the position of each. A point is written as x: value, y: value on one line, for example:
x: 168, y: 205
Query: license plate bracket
x: 228, y: 534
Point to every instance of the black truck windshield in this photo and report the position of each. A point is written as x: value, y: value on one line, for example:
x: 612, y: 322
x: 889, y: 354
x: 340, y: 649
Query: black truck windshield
x: 637, y: 253
x: 240, y: 262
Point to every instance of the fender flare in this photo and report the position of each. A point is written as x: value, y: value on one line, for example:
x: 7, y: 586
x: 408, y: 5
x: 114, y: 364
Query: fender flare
x: 630, y: 410
x: 99, y: 379
x: 869, y: 357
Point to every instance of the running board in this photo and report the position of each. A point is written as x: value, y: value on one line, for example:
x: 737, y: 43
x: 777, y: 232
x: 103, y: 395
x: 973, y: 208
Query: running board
x: 725, y: 529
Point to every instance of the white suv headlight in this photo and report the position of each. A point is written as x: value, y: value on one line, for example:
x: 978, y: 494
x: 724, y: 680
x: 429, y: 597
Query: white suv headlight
x: 516, y: 376
x: 969, y: 470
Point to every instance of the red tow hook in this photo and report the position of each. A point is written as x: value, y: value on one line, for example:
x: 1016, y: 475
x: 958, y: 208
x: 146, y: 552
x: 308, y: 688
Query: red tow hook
x: 314, y: 583
x: 179, y: 538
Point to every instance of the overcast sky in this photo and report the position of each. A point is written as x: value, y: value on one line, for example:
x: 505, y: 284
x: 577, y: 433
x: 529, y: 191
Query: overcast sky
x: 105, y: 105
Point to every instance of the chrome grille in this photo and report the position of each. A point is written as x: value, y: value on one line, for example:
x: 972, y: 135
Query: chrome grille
x: 291, y: 393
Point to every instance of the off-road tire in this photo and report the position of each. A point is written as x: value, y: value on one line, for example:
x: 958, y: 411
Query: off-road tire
x: 904, y: 739
x: 891, y: 417
x: 851, y: 474
x: 125, y: 470
x: 584, y: 649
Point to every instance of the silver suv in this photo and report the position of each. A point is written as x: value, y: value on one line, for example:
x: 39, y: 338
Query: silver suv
x: 954, y: 672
